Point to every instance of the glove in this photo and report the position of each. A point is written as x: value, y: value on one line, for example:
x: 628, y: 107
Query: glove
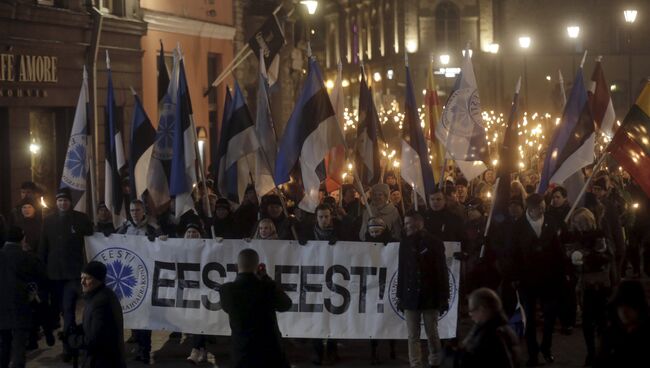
x: 302, y: 241
x: 461, y: 256
x: 332, y: 241
x: 151, y: 238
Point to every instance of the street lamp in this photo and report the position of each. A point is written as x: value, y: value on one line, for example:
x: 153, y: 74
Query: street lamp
x: 630, y: 15
x: 444, y: 59
x: 573, y: 31
x: 524, y: 43
x: 630, y: 18
x: 493, y: 48
x: 311, y: 5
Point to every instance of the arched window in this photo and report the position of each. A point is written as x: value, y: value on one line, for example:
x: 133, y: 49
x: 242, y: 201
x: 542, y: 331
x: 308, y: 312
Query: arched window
x: 447, y: 25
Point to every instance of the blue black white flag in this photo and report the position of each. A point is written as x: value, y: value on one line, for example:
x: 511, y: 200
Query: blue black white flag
x: 113, y: 154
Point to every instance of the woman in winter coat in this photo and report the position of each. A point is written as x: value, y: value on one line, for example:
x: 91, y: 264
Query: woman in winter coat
x: 490, y: 342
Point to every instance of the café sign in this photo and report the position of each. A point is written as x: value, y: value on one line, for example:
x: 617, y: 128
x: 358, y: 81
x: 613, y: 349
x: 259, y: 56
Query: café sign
x: 19, y: 68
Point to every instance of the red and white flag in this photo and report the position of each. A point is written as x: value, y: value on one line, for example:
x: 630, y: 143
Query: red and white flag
x: 600, y: 102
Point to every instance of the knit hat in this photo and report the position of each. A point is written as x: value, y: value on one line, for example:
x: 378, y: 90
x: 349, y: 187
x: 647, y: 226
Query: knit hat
x: 28, y: 185
x: 193, y: 225
x: 28, y: 201
x: 64, y: 193
x: 15, y: 234
x: 95, y: 269
x: 376, y: 223
x: 382, y: 188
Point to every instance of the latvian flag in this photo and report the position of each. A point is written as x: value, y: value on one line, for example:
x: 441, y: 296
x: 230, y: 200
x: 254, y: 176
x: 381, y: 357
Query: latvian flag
x: 631, y: 144
x: 572, y: 145
x: 310, y: 133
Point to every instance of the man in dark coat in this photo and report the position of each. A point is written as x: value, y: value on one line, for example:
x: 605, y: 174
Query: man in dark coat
x: 104, y: 220
x: 19, y: 270
x: 440, y: 222
x: 539, y: 271
x: 246, y: 214
x: 251, y: 302
x: 101, y: 334
x: 62, y: 251
x: 28, y: 190
x: 422, y: 287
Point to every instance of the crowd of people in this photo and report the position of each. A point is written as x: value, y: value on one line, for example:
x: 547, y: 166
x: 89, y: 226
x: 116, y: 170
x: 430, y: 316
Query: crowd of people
x: 583, y: 270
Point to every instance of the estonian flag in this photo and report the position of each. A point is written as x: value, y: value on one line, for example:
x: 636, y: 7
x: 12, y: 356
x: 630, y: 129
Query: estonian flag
x: 143, y: 137
x: 75, y: 168
x: 239, y: 144
x: 311, y: 132
x: 415, y: 166
x: 161, y: 157
x: 572, y: 145
x: 507, y: 162
x: 114, y: 155
x: 265, y: 155
x: 183, y: 170
x: 367, y: 150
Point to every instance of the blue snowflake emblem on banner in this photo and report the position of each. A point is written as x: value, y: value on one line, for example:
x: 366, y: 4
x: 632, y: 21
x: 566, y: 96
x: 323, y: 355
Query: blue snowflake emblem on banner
x: 77, y: 160
x: 121, y: 279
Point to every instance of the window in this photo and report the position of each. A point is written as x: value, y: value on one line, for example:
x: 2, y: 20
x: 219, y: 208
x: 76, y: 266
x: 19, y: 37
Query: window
x: 447, y: 25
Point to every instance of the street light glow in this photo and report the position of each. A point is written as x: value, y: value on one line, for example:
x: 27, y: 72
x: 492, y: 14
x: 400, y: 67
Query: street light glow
x: 471, y: 52
x: 524, y: 42
x: 311, y: 5
x: 376, y: 77
x: 389, y: 74
x: 444, y: 59
x: 411, y: 46
x: 493, y: 48
x: 573, y: 31
x: 630, y: 15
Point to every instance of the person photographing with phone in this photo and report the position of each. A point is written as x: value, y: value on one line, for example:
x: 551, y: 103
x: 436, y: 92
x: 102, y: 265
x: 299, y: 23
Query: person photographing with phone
x: 251, y: 302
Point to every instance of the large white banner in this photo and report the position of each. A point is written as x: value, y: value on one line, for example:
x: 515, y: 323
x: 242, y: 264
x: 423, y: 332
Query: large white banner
x: 346, y: 290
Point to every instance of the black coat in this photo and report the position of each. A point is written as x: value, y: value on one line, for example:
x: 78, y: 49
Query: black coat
x: 491, y: 344
x: 106, y: 228
x: 445, y: 225
x: 18, y: 269
x: 539, y: 262
x: 62, y: 244
x: 246, y: 219
x: 422, y: 278
x: 251, y: 304
x: 32, y: 227
x: 101, y: 334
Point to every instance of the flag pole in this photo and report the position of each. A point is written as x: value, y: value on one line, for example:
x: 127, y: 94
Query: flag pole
x: 584, y: 187
x: 495, y: 191
x: 238, y: 59
x: 197, y: 152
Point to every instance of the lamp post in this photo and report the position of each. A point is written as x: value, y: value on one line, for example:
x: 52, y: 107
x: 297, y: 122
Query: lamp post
x: 573, y: 31
x: 524, y: 44
x: 311, y: 6
x: 630, y: 18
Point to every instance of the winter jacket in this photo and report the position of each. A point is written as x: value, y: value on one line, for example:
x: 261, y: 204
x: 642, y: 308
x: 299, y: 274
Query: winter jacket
x: 251, y: 304
x: 101, y: 334
x: 444, y: 225
x: 422, y: 279
x: 61, y: 247
x: 491, y: 344
x: 18, y: 271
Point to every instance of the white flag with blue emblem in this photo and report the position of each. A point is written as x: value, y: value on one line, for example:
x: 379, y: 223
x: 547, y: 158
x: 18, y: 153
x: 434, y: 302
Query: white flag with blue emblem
x: 75, y: 169
x: 461, y: 128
